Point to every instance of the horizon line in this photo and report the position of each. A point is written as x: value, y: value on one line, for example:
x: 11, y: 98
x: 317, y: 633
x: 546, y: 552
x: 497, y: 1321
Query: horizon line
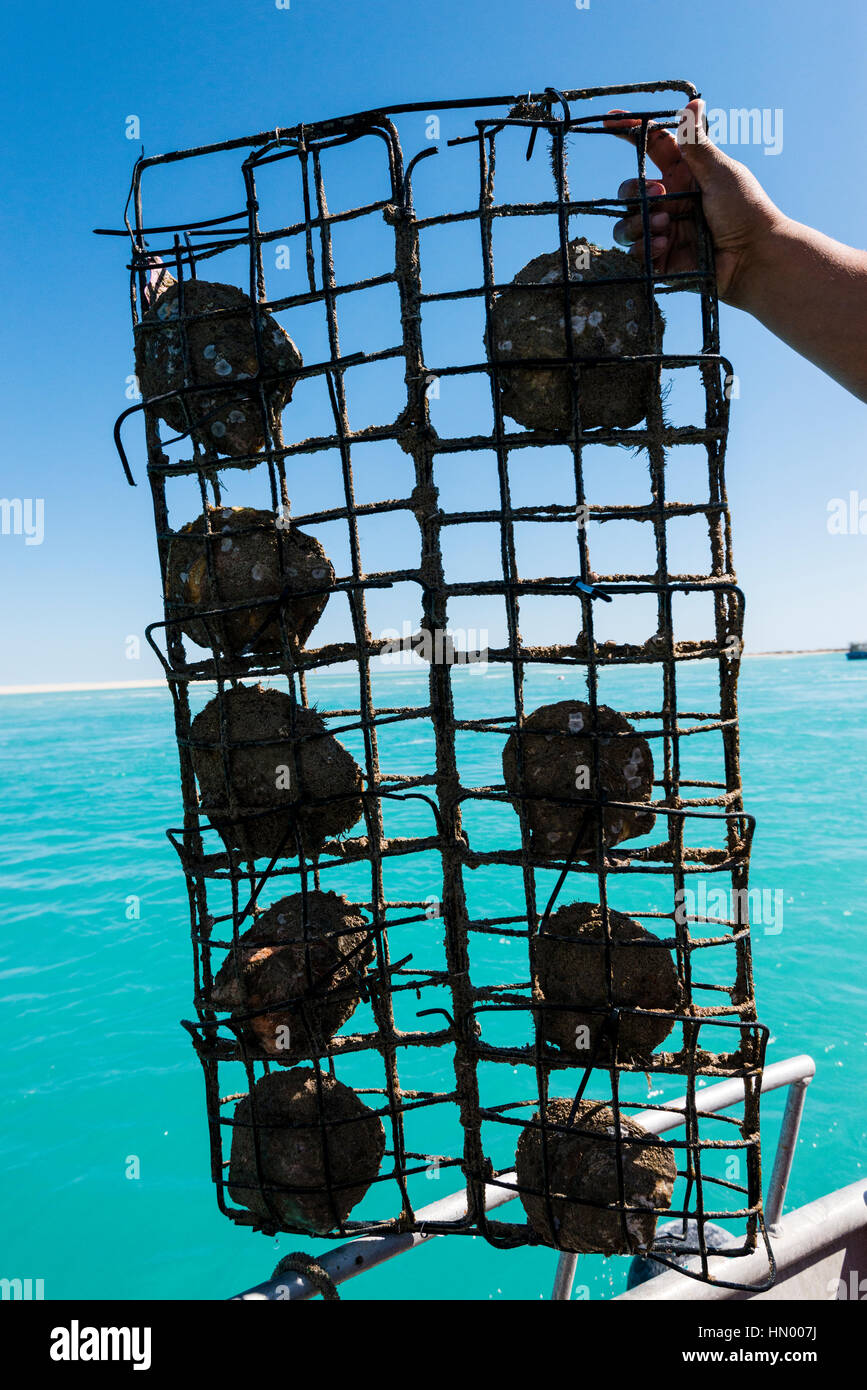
x: 73, y: 687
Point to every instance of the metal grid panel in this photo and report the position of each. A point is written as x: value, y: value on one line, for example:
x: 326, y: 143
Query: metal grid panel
x: 706, y: 831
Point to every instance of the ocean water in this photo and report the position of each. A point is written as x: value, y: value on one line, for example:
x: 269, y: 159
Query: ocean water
x: 96, y: 1068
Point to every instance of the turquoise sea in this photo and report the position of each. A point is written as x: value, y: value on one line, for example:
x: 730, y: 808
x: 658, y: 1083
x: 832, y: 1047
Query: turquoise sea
x: 96, y: 1067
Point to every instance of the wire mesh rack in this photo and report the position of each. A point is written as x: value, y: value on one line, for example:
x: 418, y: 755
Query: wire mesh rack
x: 365, y: 794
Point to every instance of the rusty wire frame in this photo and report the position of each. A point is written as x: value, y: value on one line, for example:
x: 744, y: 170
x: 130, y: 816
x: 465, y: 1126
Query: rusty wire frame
x: 720, y: 1040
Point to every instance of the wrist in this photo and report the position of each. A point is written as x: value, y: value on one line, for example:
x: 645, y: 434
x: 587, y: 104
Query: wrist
x: 758, y: 260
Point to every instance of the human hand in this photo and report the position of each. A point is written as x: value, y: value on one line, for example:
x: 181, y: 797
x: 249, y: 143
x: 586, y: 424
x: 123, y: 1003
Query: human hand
x: 738, y: 211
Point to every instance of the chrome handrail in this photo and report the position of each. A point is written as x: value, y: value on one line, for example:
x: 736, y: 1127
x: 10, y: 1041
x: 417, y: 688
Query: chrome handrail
x: 357, y: 1256
x: 795, y: 1072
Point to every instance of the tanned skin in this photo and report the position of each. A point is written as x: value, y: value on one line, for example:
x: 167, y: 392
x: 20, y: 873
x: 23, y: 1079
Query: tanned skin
x: 808, y: 289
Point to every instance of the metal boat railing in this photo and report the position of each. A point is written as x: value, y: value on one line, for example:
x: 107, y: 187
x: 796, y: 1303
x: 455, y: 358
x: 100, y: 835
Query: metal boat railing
x: 356, y: 1257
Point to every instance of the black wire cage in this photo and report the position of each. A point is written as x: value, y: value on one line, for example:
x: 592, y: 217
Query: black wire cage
x: 461, y: 1035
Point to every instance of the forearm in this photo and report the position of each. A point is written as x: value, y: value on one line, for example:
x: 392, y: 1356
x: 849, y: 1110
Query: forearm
x: 811, y: 291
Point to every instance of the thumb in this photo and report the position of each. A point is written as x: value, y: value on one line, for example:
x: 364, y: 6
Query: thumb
x: 701, y: 155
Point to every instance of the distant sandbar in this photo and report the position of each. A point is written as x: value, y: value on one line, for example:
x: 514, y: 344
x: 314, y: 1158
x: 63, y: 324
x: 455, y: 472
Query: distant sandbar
x: 69, y: 687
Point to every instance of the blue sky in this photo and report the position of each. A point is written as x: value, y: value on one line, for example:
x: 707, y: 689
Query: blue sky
x: 212, y: 71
